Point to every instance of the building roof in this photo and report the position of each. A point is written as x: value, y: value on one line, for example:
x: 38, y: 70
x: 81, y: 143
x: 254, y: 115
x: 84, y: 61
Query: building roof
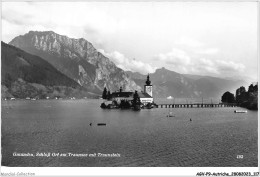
x: 144, y: 95
x: 122, y: 94
x: 130, y: 94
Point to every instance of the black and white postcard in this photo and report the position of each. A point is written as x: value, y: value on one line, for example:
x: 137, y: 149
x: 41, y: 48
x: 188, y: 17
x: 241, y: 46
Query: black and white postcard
x: 129, y: 84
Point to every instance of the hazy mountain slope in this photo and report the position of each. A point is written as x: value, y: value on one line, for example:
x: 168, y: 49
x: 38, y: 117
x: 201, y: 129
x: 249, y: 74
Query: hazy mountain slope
x: 169, y: 83
x: 77, y: 59
x: 136, y: 75
x: 19, y: 64
x: 25, y: 75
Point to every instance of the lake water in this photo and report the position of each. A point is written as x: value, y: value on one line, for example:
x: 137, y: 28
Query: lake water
x: 214, y: 137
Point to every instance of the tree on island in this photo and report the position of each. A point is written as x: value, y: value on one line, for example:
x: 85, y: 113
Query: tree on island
x: 108, y: 95
x: 241, y: 94
x: 228, y: 97
x: 256, y: 88
x: 253, y: 88
x: 136, y: 101
x: 103, y: 106
x: 125, y: 104
x: 104, y: 95
x: 247, y: 99
x: 115, y: 103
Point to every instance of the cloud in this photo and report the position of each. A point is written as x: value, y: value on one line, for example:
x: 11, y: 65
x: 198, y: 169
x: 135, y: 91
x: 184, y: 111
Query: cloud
x: 194, y: 57
x: 207, y: 51
x: 127, y: 64
x: 22, y: 17
x: 189, y: 42
x: 229, y: 66
x: 183, y: 62
x: 175, y: 57
x: 195, y: 46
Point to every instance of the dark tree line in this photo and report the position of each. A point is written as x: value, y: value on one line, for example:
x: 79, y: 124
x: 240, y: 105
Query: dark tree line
x: 124, y: 103
x: 228, y: 98
x: 248, y: 99
x: 243, y: 98
x: 106, y: 94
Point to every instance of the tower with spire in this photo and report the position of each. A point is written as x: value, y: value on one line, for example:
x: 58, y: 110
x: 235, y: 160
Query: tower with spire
x: 148, y: 88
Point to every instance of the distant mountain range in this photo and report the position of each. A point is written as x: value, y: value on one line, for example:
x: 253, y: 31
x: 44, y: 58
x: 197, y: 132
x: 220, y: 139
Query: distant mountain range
x: 47, y: 63
x: 169, y: 83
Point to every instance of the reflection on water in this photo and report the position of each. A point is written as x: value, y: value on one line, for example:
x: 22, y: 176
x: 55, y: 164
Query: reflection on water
x: 214, y: 137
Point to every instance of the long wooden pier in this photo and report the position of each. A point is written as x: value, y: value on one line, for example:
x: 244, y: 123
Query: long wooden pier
x: 197, y: 105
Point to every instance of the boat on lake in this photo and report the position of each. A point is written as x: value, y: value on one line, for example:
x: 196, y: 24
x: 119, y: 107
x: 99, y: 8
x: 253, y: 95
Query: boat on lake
x: 170, y: 114
x: 101, y: 124
x: 169, y: 97
x: 240, y: 111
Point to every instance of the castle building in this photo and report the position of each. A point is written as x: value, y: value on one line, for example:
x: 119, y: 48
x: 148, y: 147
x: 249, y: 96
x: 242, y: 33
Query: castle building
x: 146, y: 96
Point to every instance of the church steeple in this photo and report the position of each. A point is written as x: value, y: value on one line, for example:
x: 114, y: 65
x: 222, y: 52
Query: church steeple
x: 148, y: 88
x: 148, y: 82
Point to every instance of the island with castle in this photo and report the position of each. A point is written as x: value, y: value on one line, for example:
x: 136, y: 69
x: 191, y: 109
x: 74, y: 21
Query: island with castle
x: 130, y: 100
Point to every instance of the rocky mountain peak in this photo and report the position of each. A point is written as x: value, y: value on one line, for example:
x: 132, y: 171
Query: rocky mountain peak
x: 76, y: 58
x: 52, y: 42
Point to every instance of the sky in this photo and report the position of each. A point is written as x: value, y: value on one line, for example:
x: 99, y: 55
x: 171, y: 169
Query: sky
x: 202, y: 38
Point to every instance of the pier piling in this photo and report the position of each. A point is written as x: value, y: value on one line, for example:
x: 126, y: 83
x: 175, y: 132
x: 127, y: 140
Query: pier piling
x: 197, y: 105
